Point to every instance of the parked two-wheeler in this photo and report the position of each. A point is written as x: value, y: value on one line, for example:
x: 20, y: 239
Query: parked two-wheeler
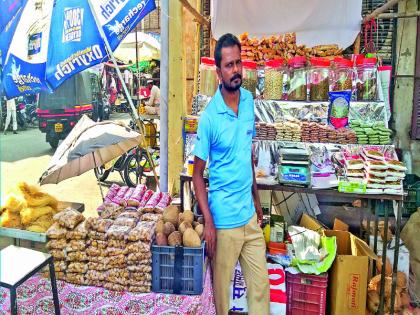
x: 31, y: 115
x: 132, y: 167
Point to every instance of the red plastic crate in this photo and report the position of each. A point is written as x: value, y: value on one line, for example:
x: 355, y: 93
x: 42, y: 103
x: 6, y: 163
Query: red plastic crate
x: 306, y: 294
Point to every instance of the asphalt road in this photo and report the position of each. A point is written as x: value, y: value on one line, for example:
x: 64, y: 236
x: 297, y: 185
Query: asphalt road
x: 26, y: 155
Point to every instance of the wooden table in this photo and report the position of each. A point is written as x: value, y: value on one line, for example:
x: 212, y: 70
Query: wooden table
x: 376, y: 204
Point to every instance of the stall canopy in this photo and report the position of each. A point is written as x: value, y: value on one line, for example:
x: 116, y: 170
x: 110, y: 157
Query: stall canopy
x: 147, y: 45
x: 316, y: 22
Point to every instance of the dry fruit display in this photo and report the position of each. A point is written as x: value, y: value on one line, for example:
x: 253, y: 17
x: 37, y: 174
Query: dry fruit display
x: 249, y: 76
x: 207, y: 77
x: 273, y: 79
x: 56, y: 231
x: 77, y: 256
x: 297, y: 79
x: 343, y: 76
x: 78, y: 233
x: 366, y: 84
x: 319, y: 79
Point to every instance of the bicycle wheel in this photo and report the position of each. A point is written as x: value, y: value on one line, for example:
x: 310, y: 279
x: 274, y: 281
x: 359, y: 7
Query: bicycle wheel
x: 130, y: 170
x: 101, y: 173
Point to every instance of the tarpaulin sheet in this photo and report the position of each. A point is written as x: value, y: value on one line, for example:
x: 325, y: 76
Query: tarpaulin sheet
x: 316, y: 22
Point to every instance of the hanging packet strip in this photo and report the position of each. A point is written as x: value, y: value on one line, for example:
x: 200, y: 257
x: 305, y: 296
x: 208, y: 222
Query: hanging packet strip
x: 338, y: 115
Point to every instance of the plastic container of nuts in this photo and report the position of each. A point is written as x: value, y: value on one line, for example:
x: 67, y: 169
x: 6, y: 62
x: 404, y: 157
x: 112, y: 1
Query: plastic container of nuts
x: 297, y: 79
x: 208, y: 76
x: 366, y: 79
x: 273, y: 79
x: 319, y: 79
x: 249, y: 76
x: 343, y: 76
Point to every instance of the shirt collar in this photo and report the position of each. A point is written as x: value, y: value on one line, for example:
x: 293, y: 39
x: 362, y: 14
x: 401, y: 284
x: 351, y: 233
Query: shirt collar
x: 220, y: 102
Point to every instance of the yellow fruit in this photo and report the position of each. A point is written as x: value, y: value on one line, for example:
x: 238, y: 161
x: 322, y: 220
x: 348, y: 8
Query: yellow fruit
x: 14, y: 203
x: 175, y: 239
x: 160, y: 227
x: 36, y: 228
x: 266, y: 232
x: 200, y: 230
x: 30, y: 214
x: 188, y: 216
x: 10, y: 220
x: 168, y: 228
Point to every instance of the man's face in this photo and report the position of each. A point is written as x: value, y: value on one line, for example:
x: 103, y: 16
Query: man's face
x: 230, y: 71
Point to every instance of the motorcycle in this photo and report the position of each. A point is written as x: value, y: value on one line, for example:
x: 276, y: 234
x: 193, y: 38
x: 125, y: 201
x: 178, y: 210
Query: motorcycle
x: 31, y: 115
x: 132, y: 167
x: 21, y: 115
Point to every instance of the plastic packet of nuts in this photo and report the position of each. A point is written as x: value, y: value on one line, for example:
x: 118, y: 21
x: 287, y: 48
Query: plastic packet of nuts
x: 140, y: 268
x: 114, y: 286
x: 60, y: 265
x: 118, y: 232
x: 77, y: 256
x: 56, y: 231
x: 76, y: 245
x: 154, y: 217
x: 117, y: 243
x: 111, y: 211
x: 58, y: 254
x: 69, y: 218
x: 138, y: 256
x: 78, y: 233
x: 130, y: 214
x: 118, y: 273
x: 75, y: 278
x: 77, y: 267
x: 143, y: 231
x: 96, y: 275
x: 114, y: 251
x: 60, y: 275
x: 95, y: 251
x: 99, y: 266
x: 141, y: 289
x: 98, y: 224
x: 97, y: 235
x: 140, y: 283
x: 98, y: 244
x: 124, y: 221
x: 138, y: 247
x: 99, y: 258
x: 116, y: 261
x: 140, y: 276
x: 60, y: 243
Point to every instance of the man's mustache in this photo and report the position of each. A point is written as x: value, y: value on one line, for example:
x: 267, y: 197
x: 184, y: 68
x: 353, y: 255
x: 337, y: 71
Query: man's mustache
x: 236, y: 76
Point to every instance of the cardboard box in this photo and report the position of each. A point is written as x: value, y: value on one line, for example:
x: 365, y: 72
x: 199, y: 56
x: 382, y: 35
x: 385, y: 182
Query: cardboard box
x: 348, y: 276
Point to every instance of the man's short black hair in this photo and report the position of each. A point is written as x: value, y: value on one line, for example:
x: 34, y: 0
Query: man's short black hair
x: 227, y: 40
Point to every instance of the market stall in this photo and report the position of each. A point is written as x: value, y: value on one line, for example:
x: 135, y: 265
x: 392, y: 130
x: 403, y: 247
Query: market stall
x: 321, y: 124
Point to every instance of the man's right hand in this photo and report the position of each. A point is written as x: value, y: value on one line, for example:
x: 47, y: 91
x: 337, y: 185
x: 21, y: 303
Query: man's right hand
x: 210, y: 238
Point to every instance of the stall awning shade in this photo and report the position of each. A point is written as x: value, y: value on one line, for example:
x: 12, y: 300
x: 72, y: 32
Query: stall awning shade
x: 316, y: 22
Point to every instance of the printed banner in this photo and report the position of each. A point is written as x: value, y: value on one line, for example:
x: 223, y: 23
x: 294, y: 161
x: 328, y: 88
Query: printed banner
x: 32, y: 62
x: 238, y: 296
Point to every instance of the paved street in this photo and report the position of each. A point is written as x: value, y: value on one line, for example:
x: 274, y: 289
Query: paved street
x: 25, y: 156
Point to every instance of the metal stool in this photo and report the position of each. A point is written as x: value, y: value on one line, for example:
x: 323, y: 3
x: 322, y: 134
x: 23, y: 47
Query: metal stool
x: 18, y: 264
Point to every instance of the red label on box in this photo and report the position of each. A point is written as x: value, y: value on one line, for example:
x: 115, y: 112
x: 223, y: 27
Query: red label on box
x: 353, y: 288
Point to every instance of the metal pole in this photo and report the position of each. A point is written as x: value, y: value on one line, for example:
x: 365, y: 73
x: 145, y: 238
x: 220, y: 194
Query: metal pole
x: 164, y: 92
x: 97, y: 179
x: 130, y: 101
x: 137, y: 71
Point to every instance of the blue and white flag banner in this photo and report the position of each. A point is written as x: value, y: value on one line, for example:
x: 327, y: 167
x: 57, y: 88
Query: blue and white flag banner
x: 33, y: 62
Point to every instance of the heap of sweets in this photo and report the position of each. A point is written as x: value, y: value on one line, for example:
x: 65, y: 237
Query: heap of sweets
x: 371, y: 133
x: 288, y: 131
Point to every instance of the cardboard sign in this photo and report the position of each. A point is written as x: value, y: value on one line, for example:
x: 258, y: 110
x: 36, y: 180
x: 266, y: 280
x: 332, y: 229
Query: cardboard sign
x: 277, y: 277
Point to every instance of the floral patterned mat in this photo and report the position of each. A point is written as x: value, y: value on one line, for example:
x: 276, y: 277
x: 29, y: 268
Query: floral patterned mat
x: 35, y: 297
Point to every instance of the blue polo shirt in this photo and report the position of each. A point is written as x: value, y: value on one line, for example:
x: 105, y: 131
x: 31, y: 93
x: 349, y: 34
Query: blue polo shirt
x: 226, y: 139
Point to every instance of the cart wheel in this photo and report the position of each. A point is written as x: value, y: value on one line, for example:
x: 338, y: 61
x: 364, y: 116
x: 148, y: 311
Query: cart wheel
x: 54, y: 143
x: 131, y: 168
x: 101, y: 173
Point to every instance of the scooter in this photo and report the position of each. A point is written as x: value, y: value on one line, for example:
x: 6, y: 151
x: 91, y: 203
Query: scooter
x: 31, y: 116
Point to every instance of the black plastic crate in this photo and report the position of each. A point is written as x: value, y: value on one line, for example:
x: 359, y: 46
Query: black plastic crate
x: 412, y: 200
x: 186, y: 278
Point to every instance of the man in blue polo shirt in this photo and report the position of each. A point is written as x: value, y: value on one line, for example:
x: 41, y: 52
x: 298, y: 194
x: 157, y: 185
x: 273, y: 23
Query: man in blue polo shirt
x: 232, y: 209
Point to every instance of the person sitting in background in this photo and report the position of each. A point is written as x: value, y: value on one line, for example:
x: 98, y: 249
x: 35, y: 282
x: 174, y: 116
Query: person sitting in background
x: 154, y: 99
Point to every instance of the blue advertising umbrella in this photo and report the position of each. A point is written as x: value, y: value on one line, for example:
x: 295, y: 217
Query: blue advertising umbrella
x: 44, y: 42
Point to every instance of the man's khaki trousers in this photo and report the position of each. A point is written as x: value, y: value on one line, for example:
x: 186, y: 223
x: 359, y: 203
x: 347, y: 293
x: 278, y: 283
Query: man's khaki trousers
x: 247, y: 244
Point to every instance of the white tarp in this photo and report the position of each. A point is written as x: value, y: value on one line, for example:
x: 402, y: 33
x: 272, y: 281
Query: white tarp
x: 316, y: 22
